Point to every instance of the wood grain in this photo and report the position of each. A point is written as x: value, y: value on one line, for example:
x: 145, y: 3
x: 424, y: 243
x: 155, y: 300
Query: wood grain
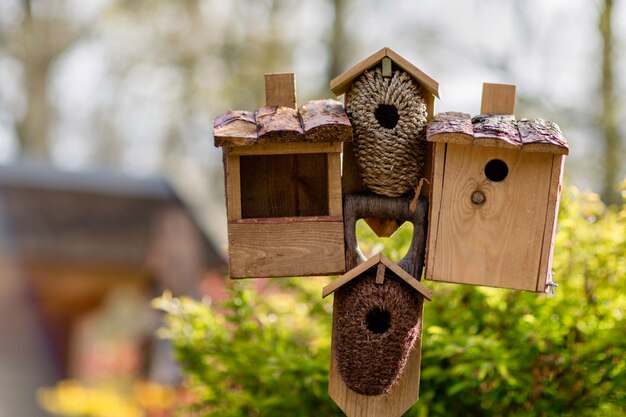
x: 552, y: 211
x: 286, y: 148
x: 498, y: 99
x: 280, y: 90
x: 497, y: 243
x: 287, y: 249
x: 234, y: 128
x: 496, y: 131
x: 325, y: 121
x: 233, y: 187
x: 451, y: 127
x: 278, y: 124
x: 540, y: 135
x: 439, y: 161
x: 335, y: 197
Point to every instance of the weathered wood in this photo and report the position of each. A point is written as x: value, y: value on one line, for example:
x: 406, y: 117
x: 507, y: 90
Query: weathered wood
x: 280, y: 90
x: 234, y: 128
x: 538, y: 135
x: 285, y: 249
x: 497, y: 243
x: 278, y: 124
x: 498, y: 99
x: 496, y: 130
x: 451, y: 127
x: 340, y: 84
x: 325, y: 120
x: 335, y: 198
x: 284, y: 185
x: 286, y: 148
x: 358, y: 206
x: 549, y: 233
x: 380, y: 273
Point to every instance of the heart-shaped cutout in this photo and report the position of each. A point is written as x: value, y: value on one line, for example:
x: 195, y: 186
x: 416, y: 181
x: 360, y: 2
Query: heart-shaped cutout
x: 394, y: 247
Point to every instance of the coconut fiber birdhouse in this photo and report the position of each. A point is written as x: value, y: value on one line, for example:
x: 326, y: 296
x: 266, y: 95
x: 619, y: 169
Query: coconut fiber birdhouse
x: 283, y: 184
x: 389, y: 102
x: 376, y: 342
x: 495, y: 196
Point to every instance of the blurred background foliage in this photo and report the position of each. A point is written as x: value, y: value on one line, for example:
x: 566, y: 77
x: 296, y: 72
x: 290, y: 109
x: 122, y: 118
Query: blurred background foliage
x: 487, y: 352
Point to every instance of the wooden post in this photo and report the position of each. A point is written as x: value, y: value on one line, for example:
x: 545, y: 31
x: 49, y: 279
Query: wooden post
x: 280, y: 90
x: 498, y: 99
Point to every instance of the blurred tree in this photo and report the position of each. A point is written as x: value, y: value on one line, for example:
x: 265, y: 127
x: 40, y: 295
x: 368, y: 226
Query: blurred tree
x: 609, y: 120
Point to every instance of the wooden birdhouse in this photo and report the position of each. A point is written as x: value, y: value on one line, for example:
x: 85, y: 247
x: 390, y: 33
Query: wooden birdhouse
x: 376, y: 341
x: 495, y: 196
x: 389, y: 102
x: 283, y: 184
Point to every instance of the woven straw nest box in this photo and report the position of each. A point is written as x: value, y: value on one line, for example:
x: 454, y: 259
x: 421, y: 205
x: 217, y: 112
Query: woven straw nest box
x: 389, y: 102
x: 376, y: 342
x: 283, y: 184
x: 495, y: 196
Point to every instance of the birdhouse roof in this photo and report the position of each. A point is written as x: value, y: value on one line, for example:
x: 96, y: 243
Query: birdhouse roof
x: 340, y: 84
x: 316, y: 121
x: 503, y: 131
x: 371, y: 263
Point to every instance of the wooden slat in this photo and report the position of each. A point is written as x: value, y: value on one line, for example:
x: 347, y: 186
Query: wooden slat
x: 497, y: 243
x: 386, y: 64
x: 402, y: 396
x: 380, y: 273
x: 552, y: 211
x: 451, y: 127
x: 335, y: 204
x: 278, y: 124
x: 350, y: 275
x: 283, y: 250
x: 496, y: 131
x: 234, y: 128
x: 439, y: 160
x: 498, y: 99
x: 538, y: 135
x: 288, y: 220
x: 325, y: 121
x: 233, y: 187
x: 280, y: 90
x: 286, y: 148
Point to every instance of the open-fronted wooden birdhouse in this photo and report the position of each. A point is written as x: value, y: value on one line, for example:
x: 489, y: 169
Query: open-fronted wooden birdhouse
x: 283, y: 184
x: 376, y: 342
x: 389, y: 102
x: 495, y: 196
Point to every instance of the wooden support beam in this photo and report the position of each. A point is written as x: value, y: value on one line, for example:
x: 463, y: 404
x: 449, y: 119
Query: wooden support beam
x: 498, y: 99
x: 280, y: 90
x: 386, y: 67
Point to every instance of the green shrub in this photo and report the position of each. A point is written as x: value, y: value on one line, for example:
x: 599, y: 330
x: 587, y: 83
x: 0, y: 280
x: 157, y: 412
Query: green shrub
x: 486, y: 352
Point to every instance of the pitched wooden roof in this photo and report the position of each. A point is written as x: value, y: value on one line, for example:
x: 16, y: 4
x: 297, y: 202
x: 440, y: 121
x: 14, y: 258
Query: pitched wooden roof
x: 371, y: 263
x: 340, y: 84
x: 534, y: 135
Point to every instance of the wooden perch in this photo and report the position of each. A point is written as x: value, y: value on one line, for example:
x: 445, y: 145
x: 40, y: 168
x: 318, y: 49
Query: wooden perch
x: 278, y: 124
x: 451, y: 127
x: 234, y: 128
x: 325, y: 120
x: 496, y: 130
x: 540, y: 135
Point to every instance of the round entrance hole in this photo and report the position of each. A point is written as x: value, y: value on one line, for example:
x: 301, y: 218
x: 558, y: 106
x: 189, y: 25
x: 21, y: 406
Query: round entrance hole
x: 378, y: 321
x: 387, y: 115
x: 496, y: 170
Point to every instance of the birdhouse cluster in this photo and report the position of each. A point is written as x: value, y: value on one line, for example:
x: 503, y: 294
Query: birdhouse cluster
x: 481, y: 192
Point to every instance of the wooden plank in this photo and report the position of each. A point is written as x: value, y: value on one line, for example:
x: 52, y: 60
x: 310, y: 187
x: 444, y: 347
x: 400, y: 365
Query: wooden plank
x: 538, y: 135
x: 552, y: 212
x: 278, y: 124
x: 234, y: 128
x: 380, y: 273
x: 451, y: 127
x: 335, y: 201
x: 340, y: 84
x: 439, y: 159
x: 282, y: 250
x: 288, y: 220
x: 350, y: 275
x: 286, y: 148
x: 325, y: 121
x: 386, y: 64
x: 496, y: 131
x: 497, y: 243
x: 429, y: 99
x: 310, y: 180
x: 233, y: 187
x: 280, y: 90
x: 401, y: 397
x: 498, y: 99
